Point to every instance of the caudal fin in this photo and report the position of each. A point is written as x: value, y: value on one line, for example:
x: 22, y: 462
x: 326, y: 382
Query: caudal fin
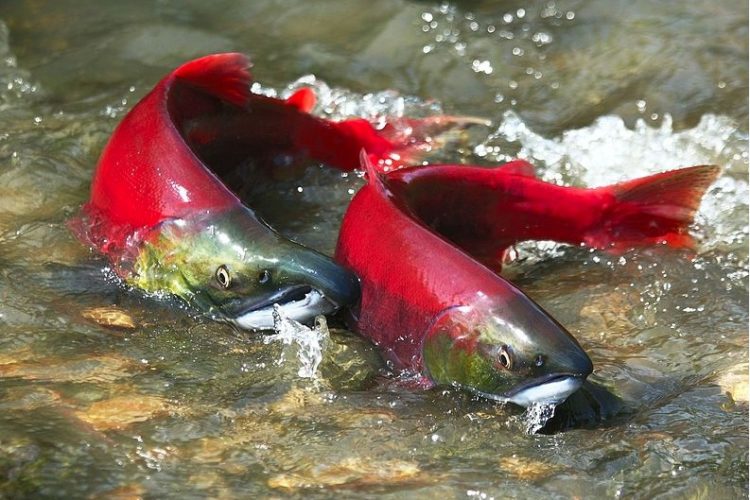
x: 653, y: 210
x: 225, y: 76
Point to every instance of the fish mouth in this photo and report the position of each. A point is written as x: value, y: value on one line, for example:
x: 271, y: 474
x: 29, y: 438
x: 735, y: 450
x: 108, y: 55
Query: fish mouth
x: 550, y: 389
x: 298, y: 302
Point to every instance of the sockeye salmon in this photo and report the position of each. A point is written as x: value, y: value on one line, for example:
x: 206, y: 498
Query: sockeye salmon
x: 420, y: 240
x: 160, y: 214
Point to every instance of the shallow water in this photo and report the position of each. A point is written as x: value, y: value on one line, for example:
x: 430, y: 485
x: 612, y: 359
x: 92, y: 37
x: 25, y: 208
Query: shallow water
x: 143, y: 399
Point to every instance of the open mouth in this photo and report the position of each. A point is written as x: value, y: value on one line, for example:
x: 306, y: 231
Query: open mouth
x: 550, y: 389
x: 298, y: 302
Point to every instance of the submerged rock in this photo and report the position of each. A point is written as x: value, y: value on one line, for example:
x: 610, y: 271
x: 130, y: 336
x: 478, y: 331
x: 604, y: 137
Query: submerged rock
x: 353, y: 472
x: 105, y: 368
x: 527, y: 469
x: 734, y: 382
x: 110, y: 317
x: 120, y: 412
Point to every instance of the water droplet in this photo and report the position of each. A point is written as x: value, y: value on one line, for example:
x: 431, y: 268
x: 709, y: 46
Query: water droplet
x: 536, y: 416
x: 310, y: 342
x: 482, y: 66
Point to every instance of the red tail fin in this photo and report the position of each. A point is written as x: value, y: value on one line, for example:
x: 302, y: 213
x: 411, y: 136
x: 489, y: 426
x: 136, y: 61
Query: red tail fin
x: 654, y: 209
x: 224, y: 75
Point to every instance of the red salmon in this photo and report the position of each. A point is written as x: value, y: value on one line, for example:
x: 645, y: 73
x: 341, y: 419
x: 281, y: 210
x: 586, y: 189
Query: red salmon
x: 167, y: 223
x: 435, y: 310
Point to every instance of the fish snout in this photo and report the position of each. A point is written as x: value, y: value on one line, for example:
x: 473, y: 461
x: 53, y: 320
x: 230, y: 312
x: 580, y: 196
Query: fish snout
x: 557, y: 374
x: 339, y: 285
x: 309, y: 285
x: 570, y: 359
x: 576, y: 362
x: 336, y: 284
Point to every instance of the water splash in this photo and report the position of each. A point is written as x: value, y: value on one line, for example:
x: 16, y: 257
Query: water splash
x: 536, y: 416
x: 309, y: 343
x: 15, y: 82
x: 338, y: 103
x: 608, y: 151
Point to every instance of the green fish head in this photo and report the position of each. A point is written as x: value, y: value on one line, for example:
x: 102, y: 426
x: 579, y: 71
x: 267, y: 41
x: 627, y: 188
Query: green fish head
x: 235, y: 268
x: 515, y: 353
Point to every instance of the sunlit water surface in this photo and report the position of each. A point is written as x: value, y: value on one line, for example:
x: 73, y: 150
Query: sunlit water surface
x: 105, y: 392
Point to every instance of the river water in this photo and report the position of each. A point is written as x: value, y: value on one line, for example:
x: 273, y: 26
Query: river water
x: 105, y: 393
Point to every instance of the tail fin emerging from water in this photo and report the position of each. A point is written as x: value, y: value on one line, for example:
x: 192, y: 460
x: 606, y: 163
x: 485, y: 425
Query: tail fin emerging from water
x: 653, y: 210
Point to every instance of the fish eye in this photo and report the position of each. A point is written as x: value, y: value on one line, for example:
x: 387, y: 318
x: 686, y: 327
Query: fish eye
x: 504, y: 357
x: 264, y: 276
x: 222, y: 276
x: 539, y: 361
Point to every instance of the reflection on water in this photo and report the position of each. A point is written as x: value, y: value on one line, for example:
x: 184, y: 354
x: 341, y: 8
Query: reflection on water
x: 106, y: 393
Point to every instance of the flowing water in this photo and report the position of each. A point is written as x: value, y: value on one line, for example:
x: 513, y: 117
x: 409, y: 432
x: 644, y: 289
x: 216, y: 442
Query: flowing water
x: 105, y: 393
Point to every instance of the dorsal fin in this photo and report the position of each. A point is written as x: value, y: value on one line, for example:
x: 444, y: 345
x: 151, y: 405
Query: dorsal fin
x: 374, y: 178
x: 518, y: 167
x: 303, y: 99
x: 225, y: 76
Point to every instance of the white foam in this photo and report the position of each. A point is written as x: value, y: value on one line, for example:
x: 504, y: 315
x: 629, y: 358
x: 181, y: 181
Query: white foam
x: 536, y: 416
x: 309, y: 343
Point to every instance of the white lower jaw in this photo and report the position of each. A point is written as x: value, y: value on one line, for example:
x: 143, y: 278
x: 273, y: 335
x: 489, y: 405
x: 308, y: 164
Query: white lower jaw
x: 311, y: 305
x: 553, y: 392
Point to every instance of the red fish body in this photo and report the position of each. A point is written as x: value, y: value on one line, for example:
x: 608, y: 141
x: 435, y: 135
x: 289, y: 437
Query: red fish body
x: 412, y: 237
x: 161, y: 214
x: 486, y: 210
x: 161, y: 161
x: 409, y: 276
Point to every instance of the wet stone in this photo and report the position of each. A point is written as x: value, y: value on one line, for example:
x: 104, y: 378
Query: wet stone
x: 126, y: 492
x: 349, y: 362
x: 526, y: 469
x: 122, y: 411
x: 107, y: 368
x: 246, y: 433
x: 607, y: 314
x: 296, y: 399
x: 25, y: 399
x: 110, y: 317
x: 350, y: 472
x: 364, y: 418
x: 17, y: 355
x: 734, y: 382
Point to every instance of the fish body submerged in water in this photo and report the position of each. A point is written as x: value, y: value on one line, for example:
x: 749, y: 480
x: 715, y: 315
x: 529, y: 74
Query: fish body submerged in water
x: 167, y: 223
x: 436, y: 310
